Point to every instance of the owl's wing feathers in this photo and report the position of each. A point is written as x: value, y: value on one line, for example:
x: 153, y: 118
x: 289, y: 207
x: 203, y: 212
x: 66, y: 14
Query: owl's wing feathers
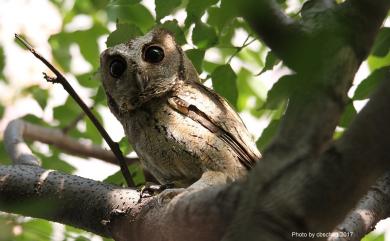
x: 206, y: 107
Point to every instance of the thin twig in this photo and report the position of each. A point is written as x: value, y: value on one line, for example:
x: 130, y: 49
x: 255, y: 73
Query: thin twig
x: 65, y: 84
x: 238, y: 49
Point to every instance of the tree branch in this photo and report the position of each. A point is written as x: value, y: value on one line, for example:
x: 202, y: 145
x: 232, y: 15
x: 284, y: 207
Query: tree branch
x: 363, y: 16
x: 83, y: 203
x: 116, y: 212
x: 18, y: 130
x: 372, y: 208
x: 282, y: 34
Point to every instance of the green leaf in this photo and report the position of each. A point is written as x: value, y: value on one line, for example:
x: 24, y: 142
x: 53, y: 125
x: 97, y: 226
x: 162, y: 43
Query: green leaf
x: 270, y: 61
x: 2, y: 62
x: 375, y: 62
x: 173, y: 26
x: 91, y: 132
x: 35, y: 229
x: 34, y: 120
x: 247, y: 90
x: 87, y: 40
x: 54, y: 161
x: 2, y: 109
x: 60, y: 44
x: 267, y: 135
x: 382, y: 43
x: 125, y: 146
x: 39, y: 94
x: 196, y: 56
x: 368, y: 85
x: 195, y: 9
x: 165, y: 7
x: 221, y: 16
x: 4, y: 158
x: 374, y: 237
x: 224, y: 82
x: 67, y: 112
x: 100, y: 96
x: 122, y: 2
x: 131, y: 13
x: 89, y: 79
x: 348, y: 115
x: 280, y: 91
x: 123, y: 33
x: 204, y: 36
x: 136, y: 174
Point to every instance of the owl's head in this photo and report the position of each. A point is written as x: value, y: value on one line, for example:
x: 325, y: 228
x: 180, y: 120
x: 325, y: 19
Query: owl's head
x: 143, y: 68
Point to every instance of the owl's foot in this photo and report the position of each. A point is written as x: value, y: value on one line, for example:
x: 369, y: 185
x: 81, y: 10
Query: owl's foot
x: 153, y: 189
x: 169, y: 194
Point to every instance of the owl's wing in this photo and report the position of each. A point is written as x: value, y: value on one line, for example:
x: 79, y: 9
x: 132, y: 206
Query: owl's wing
x: 206, y: 107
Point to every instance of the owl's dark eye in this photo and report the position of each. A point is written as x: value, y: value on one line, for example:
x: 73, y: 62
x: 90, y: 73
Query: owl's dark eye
x: 117, y: 67
x: 153, y: 54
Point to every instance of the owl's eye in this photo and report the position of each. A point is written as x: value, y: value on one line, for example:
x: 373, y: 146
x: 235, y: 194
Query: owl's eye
x: 153, y: 54
x: 117, y: 67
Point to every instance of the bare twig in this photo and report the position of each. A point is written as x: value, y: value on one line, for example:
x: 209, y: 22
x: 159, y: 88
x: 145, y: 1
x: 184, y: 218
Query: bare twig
x: 238, y: 49
x: 59, y: 78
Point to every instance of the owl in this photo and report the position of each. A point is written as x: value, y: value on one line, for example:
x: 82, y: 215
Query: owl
x: 184, y: 133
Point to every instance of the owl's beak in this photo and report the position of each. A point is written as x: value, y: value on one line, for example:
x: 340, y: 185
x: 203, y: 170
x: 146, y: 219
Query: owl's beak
x: 140, y: 82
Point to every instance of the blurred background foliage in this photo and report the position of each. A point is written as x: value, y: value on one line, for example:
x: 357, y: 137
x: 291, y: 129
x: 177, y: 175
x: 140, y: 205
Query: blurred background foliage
x: 227, y: 54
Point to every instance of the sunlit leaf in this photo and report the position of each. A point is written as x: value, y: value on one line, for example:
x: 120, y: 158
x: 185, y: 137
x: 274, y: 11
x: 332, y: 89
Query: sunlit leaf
x: 165, y: 7
x: 122, y: 34
x: 66, y: 113
x: 221, y: 16
x: 136, y: 174
x: 36, y: 229
x: 375, y: 62
x: 196, y: 8
x: 348, y: 115
x: 2, y: 62
x: 374, y: 237
x: 280, y: 91
x: 100, y: 96
x: 125, y: 146
x: 196, y: 56
x: 368, y: 85
x: 382, y: 43
x: 224, y: 82
x: 267, y: 135
x: 204, y: 36
x: 173, y: 26
x: 131, y: 13
x: 270, y: 61
x: 39, y: 94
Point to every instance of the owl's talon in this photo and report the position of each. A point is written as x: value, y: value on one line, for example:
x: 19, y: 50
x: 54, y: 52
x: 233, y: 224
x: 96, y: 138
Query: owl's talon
x: 154, y: 189
x: 169, y: 194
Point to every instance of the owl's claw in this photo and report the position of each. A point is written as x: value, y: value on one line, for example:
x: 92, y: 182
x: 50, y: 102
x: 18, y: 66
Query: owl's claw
x: 153, y: 189
x: 169, y: 194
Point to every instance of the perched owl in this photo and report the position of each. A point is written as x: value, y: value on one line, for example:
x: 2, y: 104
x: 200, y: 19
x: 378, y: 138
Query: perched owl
x: 183, y: 132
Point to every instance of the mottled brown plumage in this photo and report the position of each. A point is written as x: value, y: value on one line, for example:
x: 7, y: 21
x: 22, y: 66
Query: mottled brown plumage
x: 181, y: 130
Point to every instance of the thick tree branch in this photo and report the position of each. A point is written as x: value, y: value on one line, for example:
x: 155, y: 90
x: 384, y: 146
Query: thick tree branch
x: 84, y: 203
x: 116, y: 212
x: 18, y: 130
x: 372, y: 208
x: 315, y: 194
x: 363, y: 16
x: 282, y: 34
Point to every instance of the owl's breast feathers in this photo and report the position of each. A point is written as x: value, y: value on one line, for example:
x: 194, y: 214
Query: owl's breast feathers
x: 206, y: 107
